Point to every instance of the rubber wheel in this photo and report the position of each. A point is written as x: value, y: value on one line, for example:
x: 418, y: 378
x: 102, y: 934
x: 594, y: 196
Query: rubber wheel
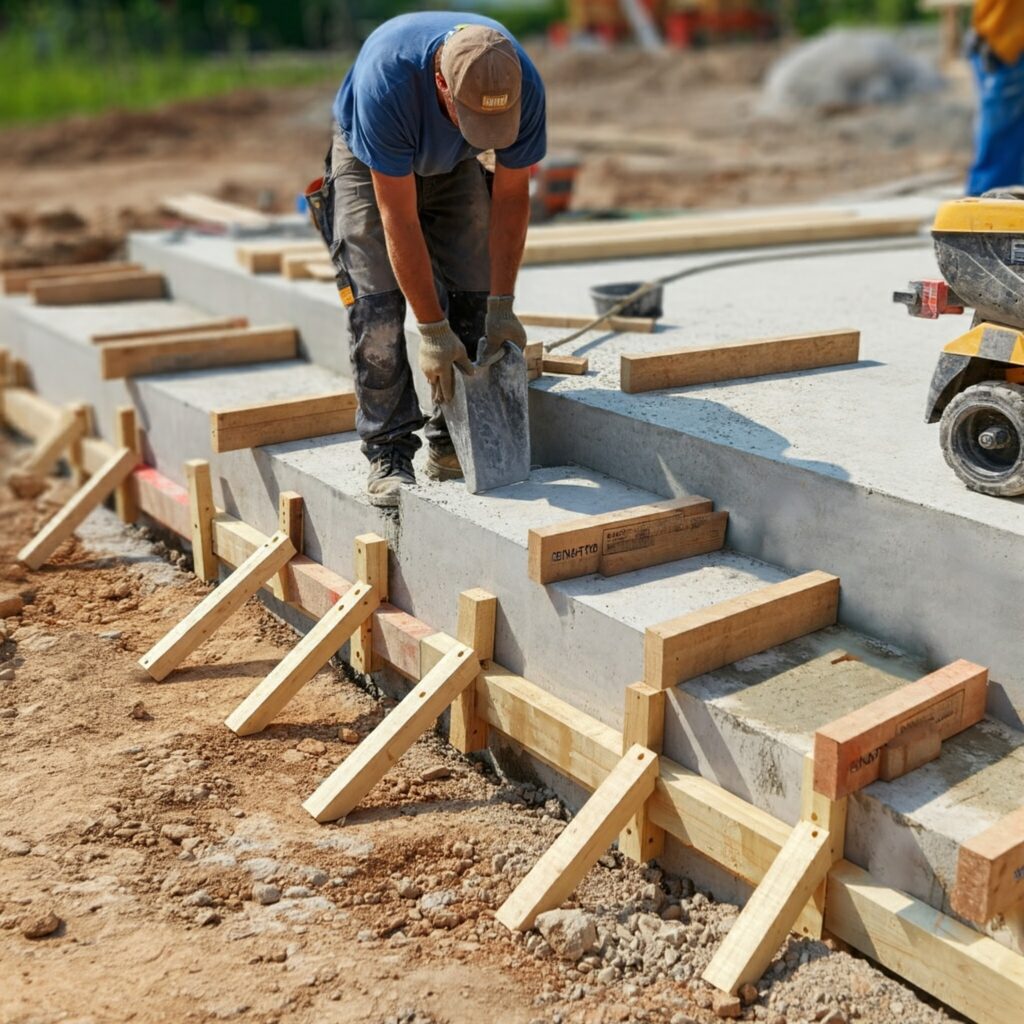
x: 993, y: 412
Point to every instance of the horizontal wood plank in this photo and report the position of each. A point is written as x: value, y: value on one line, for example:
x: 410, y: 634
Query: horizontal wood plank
x: 572, y: 366
x: 267, y: 257
x: 290, y: 419
x: 95, y: 288
x: 17, y: 282
x: 848, y: 751
x: 197, y: 351
x: 734, y: 360
x: 574, y: 321
x: 203, y: 327
x: 711, y: 638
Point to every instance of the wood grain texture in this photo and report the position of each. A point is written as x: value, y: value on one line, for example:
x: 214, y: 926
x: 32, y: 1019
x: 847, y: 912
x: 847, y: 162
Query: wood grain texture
x: 573, y: 366
x: 734, y: 360
x: 643, y: 723
x: 583, y: 840
x: 18, y: 282
x: 990, y: 870
x: 289, y: 419
x: 132, y: 285
x: 847, y: 752
x: 126, y: 434
x: 478, y: 610
x: 222, y: 323
x: 702, y: 641
x: 574, y: 321
x: 371, y: 563
x: 202, y: 510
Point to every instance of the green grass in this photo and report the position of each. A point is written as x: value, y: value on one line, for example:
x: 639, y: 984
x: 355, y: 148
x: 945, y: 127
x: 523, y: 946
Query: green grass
x: 36, y: 89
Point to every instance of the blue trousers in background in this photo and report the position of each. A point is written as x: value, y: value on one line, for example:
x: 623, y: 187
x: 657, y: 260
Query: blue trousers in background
x: 999, y: 135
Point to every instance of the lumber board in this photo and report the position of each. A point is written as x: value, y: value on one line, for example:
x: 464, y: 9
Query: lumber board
x: 291, y: 520
x: 910, y: 750
x: 574, y: 321
x: 969, y: 971
x: 222, y: 323
x: 201, y: 510
x: 17, y: 282
x: 643, y: 723
x: 706, y: 239
x: 830, y: 815
x: 477, y: 615
x: 735, y: 360
x: 267, y: 257
x: 204, y: 209
x: 234, y: 540
x: 847, y: 752
x: 290, y: 419
x: 623, y: 540
x: 711, y: 638
x: 76, y: 453
x: 54, y: 443
x: 93, y: 493
x: 572, y: 366
x: 197, y: 351
x: 990, y: 870
x: 564, y: 864
x: 322, y: 270
x: 126, y: 432
x: 95, y: 288
x: 533, y: 353
x: 341, y: 792
x: 371, y: 564
x: 219, y: 605
x: 303, y: 661
x: 297, y: 266
x: 770, y: 913
x: 27, y: 413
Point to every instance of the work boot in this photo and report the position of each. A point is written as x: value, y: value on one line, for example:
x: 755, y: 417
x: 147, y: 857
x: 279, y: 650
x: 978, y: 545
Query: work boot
x: 443, y: 463
x: 389, y: 471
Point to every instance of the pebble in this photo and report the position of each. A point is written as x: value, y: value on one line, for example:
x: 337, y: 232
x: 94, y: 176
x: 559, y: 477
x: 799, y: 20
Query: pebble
x: 200, y: 898
x: 8, y: 713
x: 570, y: 933
x: 176, y: 833
x: 311, y: 746
x: 38, y: 926
x: 347, y: 735
x: 207, y: 917
x: 265, y: 894
x: 113, y: 634
x: 726, y: 1006
x: 748, y: 994
x: 293, y: 757
x: 435, y: 774
x: 408, y: 890
x: 297, y: 892
x: 16, y: 847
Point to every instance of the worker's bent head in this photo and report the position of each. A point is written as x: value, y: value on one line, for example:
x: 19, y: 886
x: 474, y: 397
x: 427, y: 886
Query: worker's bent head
x: 481, y: 72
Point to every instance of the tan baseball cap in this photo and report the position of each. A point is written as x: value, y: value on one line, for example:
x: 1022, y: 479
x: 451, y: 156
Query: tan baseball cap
x: 482, y: 70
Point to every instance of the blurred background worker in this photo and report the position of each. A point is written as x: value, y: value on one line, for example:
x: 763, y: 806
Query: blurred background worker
x: 997, y: 53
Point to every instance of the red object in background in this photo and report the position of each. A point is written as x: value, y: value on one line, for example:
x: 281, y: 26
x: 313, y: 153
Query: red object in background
x: 935, y: 300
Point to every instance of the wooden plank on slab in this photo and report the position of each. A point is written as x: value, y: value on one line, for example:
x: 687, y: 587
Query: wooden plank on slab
x: 573, y: 366
x: 583, y: 840
x: 222, y: 323
x: 848, y: 751
x: 197, y: 351
x: 219, y: 605
x: 467, y: 731
x: 17, y: 282
x: 734, y: 360
x: 371, y: 563
x: 341, y: 792
x: 622, y: 540
x: 305, y: 265
x: 321, y: 270
x: 643, y: 723
x: 132, y: 285
x: 772, y: 910
x: 574, y: 321
x: 990, y: 870
x: 204, y: 209
x: 202, y: 510
x: 267, y: 257
x: 91, y: 495
x: 970, y: 972
x: 302, y: 663
x: 288, y: 419
x: 711, y: 638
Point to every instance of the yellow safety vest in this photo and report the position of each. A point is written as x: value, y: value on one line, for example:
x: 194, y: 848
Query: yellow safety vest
x: 1001, y: 24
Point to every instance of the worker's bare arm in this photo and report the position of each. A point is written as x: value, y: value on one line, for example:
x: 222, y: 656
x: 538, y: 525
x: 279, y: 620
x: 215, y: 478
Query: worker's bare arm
x: 407, y: 248
x: 510, y: 215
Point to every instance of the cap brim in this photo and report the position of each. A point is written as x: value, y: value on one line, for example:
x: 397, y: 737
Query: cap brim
x: 489, y: 131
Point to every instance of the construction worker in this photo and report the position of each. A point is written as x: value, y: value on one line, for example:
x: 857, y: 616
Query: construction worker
x: 410, y: 217
x: 997, y: 53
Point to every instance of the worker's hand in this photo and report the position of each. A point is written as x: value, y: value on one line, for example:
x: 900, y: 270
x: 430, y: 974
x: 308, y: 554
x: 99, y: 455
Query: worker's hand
x: 502, y: 325
x: 440, y: 350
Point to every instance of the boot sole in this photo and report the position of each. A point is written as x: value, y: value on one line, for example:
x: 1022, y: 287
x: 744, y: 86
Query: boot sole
x: 434, y: 472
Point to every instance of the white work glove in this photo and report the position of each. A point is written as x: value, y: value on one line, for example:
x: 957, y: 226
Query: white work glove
x: 501, y: 325
x: 440, y: 350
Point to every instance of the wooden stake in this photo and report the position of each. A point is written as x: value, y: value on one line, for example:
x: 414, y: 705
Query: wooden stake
x: 64, y: 433
x: 217, y: 606
x: 702, y: 641
x: 302, y: 663
x: 467, y: 731
x: 342, y: 791
x: 990, y: 870
x: 583, y: 840
x: 127, y: 435
x: 644, y: 724
x: 763, y: 924
x: 371, y: 562
x: 290, y: 521
x: 91, y: 495
x: 830, y: 815
x: 76, y: 456
x: 202, y: 509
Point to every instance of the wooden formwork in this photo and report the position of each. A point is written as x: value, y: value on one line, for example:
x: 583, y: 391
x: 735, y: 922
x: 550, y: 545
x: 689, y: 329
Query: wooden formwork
x: 800, y: 878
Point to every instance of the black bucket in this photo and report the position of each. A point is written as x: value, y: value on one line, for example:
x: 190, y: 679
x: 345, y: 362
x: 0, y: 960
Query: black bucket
x: 606, y: 296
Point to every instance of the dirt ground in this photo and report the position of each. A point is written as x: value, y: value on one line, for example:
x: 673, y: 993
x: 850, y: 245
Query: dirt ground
x: 168, y: 871
x: 652, y: 132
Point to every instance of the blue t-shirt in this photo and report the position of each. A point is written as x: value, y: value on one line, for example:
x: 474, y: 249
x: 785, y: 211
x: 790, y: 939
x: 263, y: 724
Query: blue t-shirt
x: 388, y: 108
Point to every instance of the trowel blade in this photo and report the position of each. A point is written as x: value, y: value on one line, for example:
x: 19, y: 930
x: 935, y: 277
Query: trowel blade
x: 488, y: 419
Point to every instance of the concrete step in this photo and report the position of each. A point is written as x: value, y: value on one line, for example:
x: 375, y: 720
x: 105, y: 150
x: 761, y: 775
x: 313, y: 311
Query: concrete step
x: 747, y: 726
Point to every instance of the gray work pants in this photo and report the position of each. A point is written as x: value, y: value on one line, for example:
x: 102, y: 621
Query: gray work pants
x: 454, y: 211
